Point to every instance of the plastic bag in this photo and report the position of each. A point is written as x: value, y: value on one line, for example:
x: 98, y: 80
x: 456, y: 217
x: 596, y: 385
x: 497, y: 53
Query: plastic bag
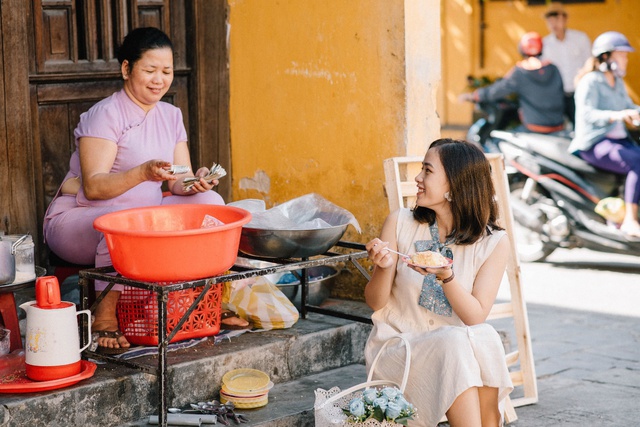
x: 611, y: 208
x: 261, y: 302
x: 308, y: 212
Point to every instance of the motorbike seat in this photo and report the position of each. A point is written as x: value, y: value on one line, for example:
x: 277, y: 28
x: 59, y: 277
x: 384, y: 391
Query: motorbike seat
x: 554, y: 148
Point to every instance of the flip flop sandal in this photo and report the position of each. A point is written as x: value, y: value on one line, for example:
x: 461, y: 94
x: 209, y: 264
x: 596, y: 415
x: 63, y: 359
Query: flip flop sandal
x: 108, y: 350
x: 229, y: 314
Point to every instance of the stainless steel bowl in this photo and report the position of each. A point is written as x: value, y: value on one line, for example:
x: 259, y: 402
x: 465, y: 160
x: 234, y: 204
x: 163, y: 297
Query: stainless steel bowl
x: 321, y: 280
x: 289, y: 243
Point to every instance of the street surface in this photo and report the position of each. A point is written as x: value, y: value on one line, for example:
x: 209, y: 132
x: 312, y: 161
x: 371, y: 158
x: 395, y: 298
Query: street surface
x: 581, y: 279
x: 584, y: 317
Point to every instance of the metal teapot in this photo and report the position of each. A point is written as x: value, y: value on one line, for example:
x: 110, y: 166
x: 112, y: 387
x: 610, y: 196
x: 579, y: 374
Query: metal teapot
x: 52, y: 344
x: 8, y: 258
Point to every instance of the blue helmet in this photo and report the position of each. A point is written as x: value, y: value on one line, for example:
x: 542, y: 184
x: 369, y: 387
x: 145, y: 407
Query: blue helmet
x: 609, y: 42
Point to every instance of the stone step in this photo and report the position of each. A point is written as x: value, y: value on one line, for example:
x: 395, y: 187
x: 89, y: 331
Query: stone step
x: 291, y: 403
x: 117, y: 394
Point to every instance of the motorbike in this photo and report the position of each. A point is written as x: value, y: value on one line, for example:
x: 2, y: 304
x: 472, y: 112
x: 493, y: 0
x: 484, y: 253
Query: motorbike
x: 492, y: 115
x: 553, y: 197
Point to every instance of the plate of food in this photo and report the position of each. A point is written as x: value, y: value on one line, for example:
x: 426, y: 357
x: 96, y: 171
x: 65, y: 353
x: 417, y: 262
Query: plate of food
x: 429, y: 259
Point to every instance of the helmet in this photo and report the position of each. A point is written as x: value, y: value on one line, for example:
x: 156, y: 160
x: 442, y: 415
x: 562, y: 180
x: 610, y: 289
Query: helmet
x: 530, y: 44
x: 609, y: 42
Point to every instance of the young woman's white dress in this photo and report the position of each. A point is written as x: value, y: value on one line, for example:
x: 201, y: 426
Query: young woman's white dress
x: 447, y: 356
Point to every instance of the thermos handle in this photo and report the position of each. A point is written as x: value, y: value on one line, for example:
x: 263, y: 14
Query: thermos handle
x: 88, y: 313
x: 50, y: 296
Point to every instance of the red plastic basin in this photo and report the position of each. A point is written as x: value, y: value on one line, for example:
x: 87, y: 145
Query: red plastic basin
x: 167, y: 243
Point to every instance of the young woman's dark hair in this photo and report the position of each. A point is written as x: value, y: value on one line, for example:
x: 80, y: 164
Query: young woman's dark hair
x: 473, y: 204
x: 140, y: 40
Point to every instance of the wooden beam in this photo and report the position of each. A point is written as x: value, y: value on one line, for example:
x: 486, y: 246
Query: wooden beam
x: 16, y: 165
x: 210, y: 130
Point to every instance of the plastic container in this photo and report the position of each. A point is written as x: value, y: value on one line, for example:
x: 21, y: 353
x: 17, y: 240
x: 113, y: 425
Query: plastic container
x: 138, y: 314
x: 245, y: 402
x: 168, y: 244
x: 246, y: 388
x: 245, y: 380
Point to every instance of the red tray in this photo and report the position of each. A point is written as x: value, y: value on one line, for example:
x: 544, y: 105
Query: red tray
x: 17, y: 382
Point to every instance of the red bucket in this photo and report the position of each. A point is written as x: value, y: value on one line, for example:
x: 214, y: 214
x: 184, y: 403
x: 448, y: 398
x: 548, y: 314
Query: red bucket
x: 168, y: 244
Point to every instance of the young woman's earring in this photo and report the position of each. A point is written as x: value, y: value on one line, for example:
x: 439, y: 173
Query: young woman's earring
x: 447, y: 196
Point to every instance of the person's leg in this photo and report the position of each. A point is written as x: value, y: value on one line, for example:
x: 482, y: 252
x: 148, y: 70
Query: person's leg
x: 465, y: 410
x: 489, y: 409
x: 621, y: 157
x: 70, y: 234
x: 106, y: 322
x: 630, y: 225
x: 106, y: 319
x: 69, y: 231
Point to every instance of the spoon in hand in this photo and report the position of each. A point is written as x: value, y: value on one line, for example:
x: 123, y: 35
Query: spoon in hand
x: 399, y: 253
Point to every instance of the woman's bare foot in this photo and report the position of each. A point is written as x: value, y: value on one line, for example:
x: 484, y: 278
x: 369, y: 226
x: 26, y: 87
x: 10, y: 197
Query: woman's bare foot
x: 106, y: 323
x: 231, y: 320
x: 109, y: 336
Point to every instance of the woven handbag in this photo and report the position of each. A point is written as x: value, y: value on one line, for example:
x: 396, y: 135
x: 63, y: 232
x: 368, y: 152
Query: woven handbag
x: 329, y: 403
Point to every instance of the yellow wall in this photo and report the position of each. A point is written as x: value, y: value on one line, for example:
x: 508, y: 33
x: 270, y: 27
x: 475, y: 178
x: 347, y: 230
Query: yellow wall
x: 317, y: 101
x: 506, y: 21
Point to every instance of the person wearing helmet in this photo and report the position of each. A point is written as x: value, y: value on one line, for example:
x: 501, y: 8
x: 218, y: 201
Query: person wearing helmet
x: 567, y: 49
x: 537, y: 84
x: 603, y: 111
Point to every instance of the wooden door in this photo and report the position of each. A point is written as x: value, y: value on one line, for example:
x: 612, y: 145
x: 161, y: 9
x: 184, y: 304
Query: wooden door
x: 74, y: 64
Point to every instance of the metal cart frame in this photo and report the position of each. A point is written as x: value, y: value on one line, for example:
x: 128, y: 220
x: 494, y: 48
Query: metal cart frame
x: 162, y: 291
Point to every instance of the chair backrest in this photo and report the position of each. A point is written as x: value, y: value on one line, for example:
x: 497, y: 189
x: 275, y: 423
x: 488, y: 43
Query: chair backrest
x: 401, y: 190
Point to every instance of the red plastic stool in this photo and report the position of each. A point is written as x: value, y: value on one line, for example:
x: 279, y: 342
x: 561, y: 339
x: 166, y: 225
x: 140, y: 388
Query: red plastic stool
x: 9, y: 316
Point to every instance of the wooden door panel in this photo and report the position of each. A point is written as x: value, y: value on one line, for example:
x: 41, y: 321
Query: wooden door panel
x: 81, y: 36
x: 153, y: 13
x: 58, y: 44
x: 76, y: 92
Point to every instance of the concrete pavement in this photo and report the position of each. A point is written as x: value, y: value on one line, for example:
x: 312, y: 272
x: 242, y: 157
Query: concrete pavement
x: 587, y: 366
x: 587, y: 362
x: 584, y: 318
x: 581, y: 279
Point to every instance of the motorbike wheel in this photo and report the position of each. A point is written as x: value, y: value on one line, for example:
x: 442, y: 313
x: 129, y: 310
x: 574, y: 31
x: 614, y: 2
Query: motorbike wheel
x: 532, y: 246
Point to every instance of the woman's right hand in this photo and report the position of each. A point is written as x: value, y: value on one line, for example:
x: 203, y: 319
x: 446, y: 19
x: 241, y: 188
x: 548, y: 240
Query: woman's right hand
x: 157, y: 170
x: 629, y: 116
x: 380, y: 257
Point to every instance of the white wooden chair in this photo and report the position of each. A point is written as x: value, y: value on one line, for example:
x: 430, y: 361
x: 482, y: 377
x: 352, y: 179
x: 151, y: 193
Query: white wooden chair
x: 401, y: 189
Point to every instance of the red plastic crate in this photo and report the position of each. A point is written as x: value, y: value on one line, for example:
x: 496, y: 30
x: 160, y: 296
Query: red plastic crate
x: 138, y: 314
